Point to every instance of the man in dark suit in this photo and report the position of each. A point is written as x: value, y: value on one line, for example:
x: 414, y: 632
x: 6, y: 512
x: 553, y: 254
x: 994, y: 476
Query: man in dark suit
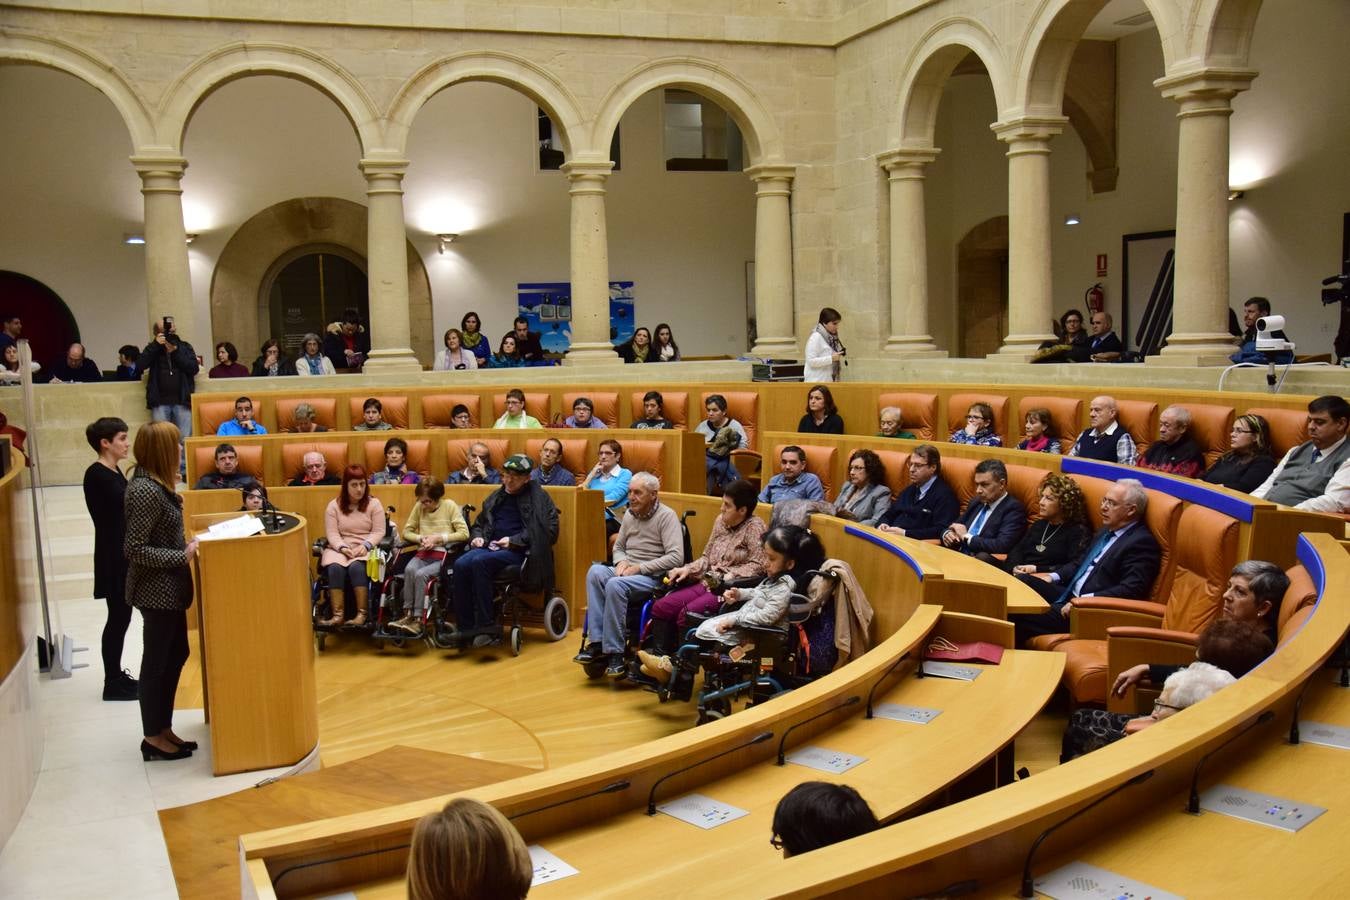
x: 1122, y: 562
x: 994, y: 521
x: 927, y: 506
x: 1104, y: 346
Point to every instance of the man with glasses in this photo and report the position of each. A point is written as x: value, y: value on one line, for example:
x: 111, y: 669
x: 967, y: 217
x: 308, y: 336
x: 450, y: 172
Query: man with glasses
x: 315, y: 472
x: 477, y: 467
x: 792, y: 482
x: 1107, y: 439
x: 925, y: 508
x: 1315, y: 475
x: 609, y: 475
x: 515, y: 415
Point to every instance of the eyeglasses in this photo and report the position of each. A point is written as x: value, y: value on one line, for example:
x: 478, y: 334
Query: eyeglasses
x: 1158, y: 704
x: 974, y: 418
x: 776, y: 842
x: 918, y: 464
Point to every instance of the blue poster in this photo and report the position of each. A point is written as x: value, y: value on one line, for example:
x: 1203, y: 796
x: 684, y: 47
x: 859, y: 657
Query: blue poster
x: 547, y: 307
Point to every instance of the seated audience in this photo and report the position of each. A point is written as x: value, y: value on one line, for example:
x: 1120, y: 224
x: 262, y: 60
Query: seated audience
x: 227, y: 474
x: 354, y: 524
x: 649, y: 545
x: 822, y: 416
x: 128, y: 359
x: 721, y: 434
x: 372, y: 417
x: 1040, y: 434
x: 227, y: 363
x: 664, y: 347
x: 76, y: 368
x: 816, y: 814
x: 9, y: 373
x: 994, y: 520
x: 11, y: 329
x: 789, y: 551
x: 1175, y: 451
x: 792, y: 482
x: 638, y: 348
x: 609, y: 475
x: 1315, y: 475
x: 312, y: 361
x: 1249, y: 460
x: 470, y: 327
x: 304, y: 420
x: 654, y: 412
x: 395, y: 469
x: 515, y: 415
x: 583, y: 415
x: 866, y: 496
x: 477, y: 468
x: 527, y: 341
x: 459, y: 416
x: 434, y: 524
x: 254, y: 497
x: 927, y: 505
x: 551, y: 471
x: 1122, y: 562
x: 517, y: 525
x: 1070, y: 344
x: 347, y: 343
x: 889, y: 423
x: 507, y: 355
x: 272, y: 361
x: 1103, y: 344
x: 242, y: 423
x: 314, y: 472
x: 1107, y: 439
x: 1059, y: 536
x: 979, y: 429
x: 455, y: 357
x: 468, y: 851
x: 1257, y: 308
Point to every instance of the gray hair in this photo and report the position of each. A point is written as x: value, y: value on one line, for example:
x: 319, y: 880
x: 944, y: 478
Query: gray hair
x: 647, y: 480
x: 1181, y: 414
x: 310, y: 336
x: 892, y: 410
x: 304, y: 411
x: 1135, y: 494
x: 1266, y: 580
x: 1194, y: 683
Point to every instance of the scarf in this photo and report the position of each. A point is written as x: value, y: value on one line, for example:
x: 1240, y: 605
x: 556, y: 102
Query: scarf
x: 315, y: 364
x: 835, y: 345
x: 471, y: 340
x: 641, y: 355
x: 1038, y: 444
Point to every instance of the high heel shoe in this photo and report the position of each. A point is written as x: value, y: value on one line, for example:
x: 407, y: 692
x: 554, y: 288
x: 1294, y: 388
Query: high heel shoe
x: 184, y: 745
x: 150, y: 752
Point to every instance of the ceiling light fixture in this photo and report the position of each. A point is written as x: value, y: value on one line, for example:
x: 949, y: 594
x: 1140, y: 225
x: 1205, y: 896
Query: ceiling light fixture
x: 1235, y: 194
x: 133, y: 239
x: 1071, y: 219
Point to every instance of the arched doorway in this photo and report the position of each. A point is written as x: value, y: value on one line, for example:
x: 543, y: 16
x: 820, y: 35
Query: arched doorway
x: 47, y: 321
x: 310, y: 287
x: 982, y: 288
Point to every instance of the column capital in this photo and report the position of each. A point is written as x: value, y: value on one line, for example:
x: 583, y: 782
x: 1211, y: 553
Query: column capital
x: 1029, y: 130
x: 907, y: 161
x: 1210, y: 84
x: 391, y: 167
x: 766, y: 172
x: 577, y: 169
x: 168, y: 166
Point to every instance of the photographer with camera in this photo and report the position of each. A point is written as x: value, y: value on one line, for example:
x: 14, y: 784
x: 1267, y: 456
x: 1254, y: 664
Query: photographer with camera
x: 171, y: 366
x: 1255, y: 309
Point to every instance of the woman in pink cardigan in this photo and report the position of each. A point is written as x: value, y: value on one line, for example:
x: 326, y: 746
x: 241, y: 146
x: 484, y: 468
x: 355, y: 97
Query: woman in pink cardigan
x: 354, y: 523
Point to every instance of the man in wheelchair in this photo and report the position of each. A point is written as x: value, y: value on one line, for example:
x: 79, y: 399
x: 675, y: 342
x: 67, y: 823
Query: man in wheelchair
x: 516, y: 527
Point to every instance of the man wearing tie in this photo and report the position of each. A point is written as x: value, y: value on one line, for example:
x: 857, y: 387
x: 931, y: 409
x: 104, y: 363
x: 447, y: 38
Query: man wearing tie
x: 994, y: 521
x: 1122, y: 562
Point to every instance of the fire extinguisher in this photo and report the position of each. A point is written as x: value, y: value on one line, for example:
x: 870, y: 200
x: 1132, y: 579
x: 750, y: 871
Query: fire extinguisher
x: 1095, y: 298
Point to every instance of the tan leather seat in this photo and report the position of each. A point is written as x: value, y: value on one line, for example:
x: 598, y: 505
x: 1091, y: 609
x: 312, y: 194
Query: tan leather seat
x: 1211, y: 428
x: 896, y: 463
x: 1140, y: 419
x: 606, y: 405
x: 1288, y: 427
x: 1066, y: 419
x: 436, y: 409
x: 211, y: 413
x: 418, y: 458
x: 646, y: 456
x: 1024, y: 483
x: 536, y: 404
x: 250, y: 460
x: 674, y: 403
x: 919, y: 412
x: 819, y: 462
x: 293, y: 458
x: 395, y: 410
x: 959, y: 473
x: 959, y: 404
x: 325, y: 411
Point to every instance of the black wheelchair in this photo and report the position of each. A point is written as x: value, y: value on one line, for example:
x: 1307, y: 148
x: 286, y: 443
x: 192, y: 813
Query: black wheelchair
x: 321, y: 610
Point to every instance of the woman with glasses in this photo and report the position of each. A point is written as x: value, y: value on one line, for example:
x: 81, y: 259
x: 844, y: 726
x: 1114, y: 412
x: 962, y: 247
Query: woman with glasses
x: 866, y: 496
x: 1249, y: 462
x: 979, y: 429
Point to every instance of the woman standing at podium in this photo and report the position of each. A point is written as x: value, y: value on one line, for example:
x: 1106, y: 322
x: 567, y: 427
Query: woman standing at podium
x: 159, y: 583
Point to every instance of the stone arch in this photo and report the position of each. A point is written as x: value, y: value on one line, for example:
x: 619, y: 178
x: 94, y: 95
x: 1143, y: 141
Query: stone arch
x: 930, y: 64
x: 505, y: 69
x: 703, y: 77
x: 1221, y: 31
x: 100, y: 74
x: 251, y: 251
x: 242, y: 59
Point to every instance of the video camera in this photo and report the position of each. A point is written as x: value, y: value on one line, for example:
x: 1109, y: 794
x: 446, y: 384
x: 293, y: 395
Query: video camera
x: 1340, y: 294
x: 1266, y: 342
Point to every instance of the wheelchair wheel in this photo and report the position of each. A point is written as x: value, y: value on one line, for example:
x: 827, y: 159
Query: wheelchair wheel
x: 515, y: 640
x: 557, y: 620
x: 319, y: 640
x: 595, y: 669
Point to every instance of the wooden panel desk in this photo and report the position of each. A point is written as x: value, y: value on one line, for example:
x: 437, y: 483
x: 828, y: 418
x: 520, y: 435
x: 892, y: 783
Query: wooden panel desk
x: 257, y: 647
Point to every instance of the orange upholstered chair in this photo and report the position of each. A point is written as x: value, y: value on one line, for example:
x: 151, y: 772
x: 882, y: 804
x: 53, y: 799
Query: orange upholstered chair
x: 250, y: 460
x: 1211, y: 426
x: 606, y: 405
x: 1066, y: 419
x: 896, y: 463
x: 293, y: 458
x: 1288, y: 427
x: 457, y: 451
x: 959, y: 404
x: 959, y: 473
x: 674, y: 403
x: 325, y: 411
x: 436, y: 409
x: 536, y: 404
x: 819, y: 462
x: 395, y: 410
x: 646, y: 456
x: 418, y: 459
x: 575, y: 454
x: 212, y: 413
x: 919, y: 413
x: 1024, y: 483
x: 1140, y: 419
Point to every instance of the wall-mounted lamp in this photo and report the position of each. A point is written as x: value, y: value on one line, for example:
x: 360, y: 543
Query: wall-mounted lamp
x: 133, y: 239
x: 443, y: 239
x: 1235, y: 194
x: 1071, y: 219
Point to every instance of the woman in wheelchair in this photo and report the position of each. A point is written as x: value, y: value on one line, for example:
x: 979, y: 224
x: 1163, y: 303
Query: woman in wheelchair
x: 353, y: 523
x: 435, y: 523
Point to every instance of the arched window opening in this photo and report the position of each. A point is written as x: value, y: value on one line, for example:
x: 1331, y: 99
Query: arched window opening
x: 310, y: 288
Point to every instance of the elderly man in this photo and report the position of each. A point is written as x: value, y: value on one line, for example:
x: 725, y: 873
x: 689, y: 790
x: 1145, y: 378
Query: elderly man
x: 1175, y: 451
x: 551, y: 471
x: 477, y: 468
x: 242, y: 423
x: 994, y: 520
x: 891, y: 418
x: 517, y: 525
x: 1315, y: 475
x: 1103, y: 346
x: 315, y: 472
x: 1121, y: 562
x: 227, y: 475
x: 927, y: 506
x: 792, y: 482
x: 76, y: 368
x: 1107, y: 439
x: 649, y: 545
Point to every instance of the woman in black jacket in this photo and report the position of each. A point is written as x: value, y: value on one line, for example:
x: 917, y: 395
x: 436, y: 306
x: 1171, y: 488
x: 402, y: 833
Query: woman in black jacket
x: 272, y: 360
x: 1058, y: 536
x: 159, y: 584
x: 822, y: 416
x: 1249, y: 463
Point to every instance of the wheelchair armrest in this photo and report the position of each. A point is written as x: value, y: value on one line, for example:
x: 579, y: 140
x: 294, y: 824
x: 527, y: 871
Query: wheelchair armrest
x: 319, y: 546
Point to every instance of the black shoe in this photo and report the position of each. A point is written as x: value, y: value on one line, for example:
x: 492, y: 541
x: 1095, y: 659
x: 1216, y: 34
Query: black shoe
x: 616, y: 668
x: 486, y: 640
x: 184, y: 745
x: 123, y: 688
x: 150, y: 752
x: 588, y: 654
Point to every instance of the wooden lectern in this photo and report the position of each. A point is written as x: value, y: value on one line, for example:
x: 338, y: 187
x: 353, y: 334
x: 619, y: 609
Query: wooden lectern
x: 257, y: 646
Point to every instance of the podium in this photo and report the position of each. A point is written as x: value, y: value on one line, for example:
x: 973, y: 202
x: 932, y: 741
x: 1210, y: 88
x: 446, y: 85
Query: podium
x: 257, y: 646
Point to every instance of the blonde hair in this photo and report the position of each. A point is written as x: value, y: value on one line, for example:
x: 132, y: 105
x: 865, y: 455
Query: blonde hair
x: 468, y: 851
x: 156, y: 451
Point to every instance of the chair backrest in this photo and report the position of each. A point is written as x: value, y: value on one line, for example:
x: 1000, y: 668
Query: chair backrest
x: 1211, y: 426
x: 1298, y: 602
x: 325, y: 411
x: 606, y: 405
x: 436, y: 409
x: 743, y: 406
x: 457, y: 451
x: 1288, y: 427
x: 418, y: 458
x: 819, y: 462
x: 959, y: 473
x: 674, y: 403
x: 647, y: 456
x: 896, y: 463
x: 919, y: 412
x: 395, y: 410
x: 959, y: 404
x: 250, y: 459
x: 537, y: 405
x: 1201, y: 569
x: 213, y: 412
x: 293, y: 457
x: 575, y: 454
x: 1066, y: 419
x: 1024, y: 483
x: 1140, y: 419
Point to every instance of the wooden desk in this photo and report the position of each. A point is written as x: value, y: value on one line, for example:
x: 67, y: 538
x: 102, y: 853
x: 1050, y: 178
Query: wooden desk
x: 257, y: 647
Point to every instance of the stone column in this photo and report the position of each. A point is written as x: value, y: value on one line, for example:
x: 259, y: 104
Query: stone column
x: 905, y: 169
x: 1030, y: 299
x: 1200, y: 288
x: 168, y: 284
x: 387, y: 268
x: 590, y: 263
x: 775, y: 334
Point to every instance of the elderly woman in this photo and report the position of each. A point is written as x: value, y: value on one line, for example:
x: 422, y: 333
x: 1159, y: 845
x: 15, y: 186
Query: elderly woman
x: 455, y: 356
x: 395, y: 469
x: 304, y: 419
x: 1060, y: 533
x: 354, y: 523
x: 890, y: 424
x: 734, y: 551
x: 1040, y: 434
x: 312, y: 361
x: 434, y: 524
x: 866, y: 497
x: 1249, y: 460
x: 979, y: 428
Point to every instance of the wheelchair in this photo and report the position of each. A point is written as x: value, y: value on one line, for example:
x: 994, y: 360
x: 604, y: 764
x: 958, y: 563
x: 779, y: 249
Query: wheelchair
x: 387, y: 552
